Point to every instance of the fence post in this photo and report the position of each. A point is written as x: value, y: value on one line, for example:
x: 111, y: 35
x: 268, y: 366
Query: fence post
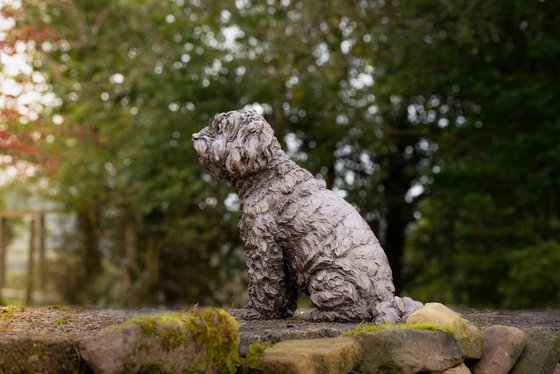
x: 41, y: 248
x: 31, y: 262
x: 2, y: 257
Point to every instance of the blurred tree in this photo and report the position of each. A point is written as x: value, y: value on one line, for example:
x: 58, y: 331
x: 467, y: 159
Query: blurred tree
x: 391, y: 102
x: 481, y: 71
x: 317, y: 67
x: 128, y: 75
x: 417, y: 112
x: 294, y: 61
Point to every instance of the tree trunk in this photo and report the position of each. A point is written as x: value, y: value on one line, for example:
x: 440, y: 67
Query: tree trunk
x: 2, y: 258
x: 88, y: 224
x: 42, y: 251
x: 31, y: 262
x: 130, y: 269
x: 397, y: 220
x: 401, y: 174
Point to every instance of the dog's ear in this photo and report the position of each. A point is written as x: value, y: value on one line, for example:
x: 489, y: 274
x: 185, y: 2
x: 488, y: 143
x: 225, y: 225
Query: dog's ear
x: 233, y: 162
x: 254, y: 150
x: 266, y: 142
x: 262, y: 145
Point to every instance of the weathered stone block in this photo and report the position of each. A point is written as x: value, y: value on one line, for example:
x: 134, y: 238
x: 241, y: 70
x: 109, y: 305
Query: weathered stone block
x: 541, y: 354
x: 501, y: 349
x: 465, y: 332
x: 310, y: 356
x: 203, y: 340
x: 38, y: 354
x: 406, y: 350
x: 460, y: 369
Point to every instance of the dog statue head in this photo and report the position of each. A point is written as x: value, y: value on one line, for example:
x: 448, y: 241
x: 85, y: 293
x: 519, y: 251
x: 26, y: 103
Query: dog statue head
x: 237, y: 144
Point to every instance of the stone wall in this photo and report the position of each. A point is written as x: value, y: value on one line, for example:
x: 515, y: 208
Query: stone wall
x: 435, y: 339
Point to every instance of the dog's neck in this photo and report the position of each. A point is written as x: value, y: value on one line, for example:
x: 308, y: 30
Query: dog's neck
x: 281, y: 165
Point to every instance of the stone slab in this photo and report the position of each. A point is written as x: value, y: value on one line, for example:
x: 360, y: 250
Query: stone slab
x: 541, y: 354
x: 26, y: 353
x: 460, y: 369
x: 501, y: 349
x: 312, y: 356
x: 407, y: 350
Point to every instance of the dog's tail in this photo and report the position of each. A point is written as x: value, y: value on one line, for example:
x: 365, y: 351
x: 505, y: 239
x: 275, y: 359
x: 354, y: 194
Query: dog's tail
x: 396, y: 310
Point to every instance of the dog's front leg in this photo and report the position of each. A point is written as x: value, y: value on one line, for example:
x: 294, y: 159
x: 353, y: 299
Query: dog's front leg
x: 271, y: 295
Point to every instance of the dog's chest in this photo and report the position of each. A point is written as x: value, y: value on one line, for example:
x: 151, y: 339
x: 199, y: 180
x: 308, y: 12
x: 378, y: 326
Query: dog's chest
x: 260, y: 203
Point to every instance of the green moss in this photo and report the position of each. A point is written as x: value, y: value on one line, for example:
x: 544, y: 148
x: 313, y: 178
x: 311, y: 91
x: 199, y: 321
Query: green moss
x: 153, y: 368
x: 219, y: 332
x: 211, y: 330
x: 62, y: 321
x: 254, y: 352
x: 148, y: 324
x: 420, y: 326
x: 171, y: 328
x: 8, y: 310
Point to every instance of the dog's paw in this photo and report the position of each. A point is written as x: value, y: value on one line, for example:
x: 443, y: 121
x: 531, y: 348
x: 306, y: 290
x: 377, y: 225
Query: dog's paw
x: 249, y: 314
x: 317, y: 315
x: 342, y: 315
x: 388, y: 315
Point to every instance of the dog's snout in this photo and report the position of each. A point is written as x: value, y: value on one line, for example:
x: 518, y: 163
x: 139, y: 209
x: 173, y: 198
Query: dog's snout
x: 196, y: 136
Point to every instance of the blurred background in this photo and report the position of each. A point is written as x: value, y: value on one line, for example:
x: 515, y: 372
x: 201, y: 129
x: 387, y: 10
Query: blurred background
x: 439, y: 120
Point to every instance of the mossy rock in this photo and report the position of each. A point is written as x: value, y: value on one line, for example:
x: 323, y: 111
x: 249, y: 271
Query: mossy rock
x: 202, y: 340
x: 465, y: 332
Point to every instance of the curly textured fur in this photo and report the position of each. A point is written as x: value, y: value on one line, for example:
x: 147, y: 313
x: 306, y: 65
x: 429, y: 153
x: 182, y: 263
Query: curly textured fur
x: 298, y: 236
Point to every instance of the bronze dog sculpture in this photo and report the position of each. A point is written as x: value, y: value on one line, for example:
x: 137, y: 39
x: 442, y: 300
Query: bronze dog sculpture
x: 298, y: 236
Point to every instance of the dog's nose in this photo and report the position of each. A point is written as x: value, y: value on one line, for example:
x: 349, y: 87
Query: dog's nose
x: 196, y: 136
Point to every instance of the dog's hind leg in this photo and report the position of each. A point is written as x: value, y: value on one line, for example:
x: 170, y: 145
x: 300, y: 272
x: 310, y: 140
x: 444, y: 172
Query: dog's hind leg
x: 335, y: 299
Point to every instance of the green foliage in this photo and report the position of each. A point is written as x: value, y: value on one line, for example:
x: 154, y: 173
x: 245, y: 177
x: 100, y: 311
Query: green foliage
x: 493, y: 208
x: 532, y: 276
x: 437, y: 119
x: 124, y: 156
x: 419, y: 326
